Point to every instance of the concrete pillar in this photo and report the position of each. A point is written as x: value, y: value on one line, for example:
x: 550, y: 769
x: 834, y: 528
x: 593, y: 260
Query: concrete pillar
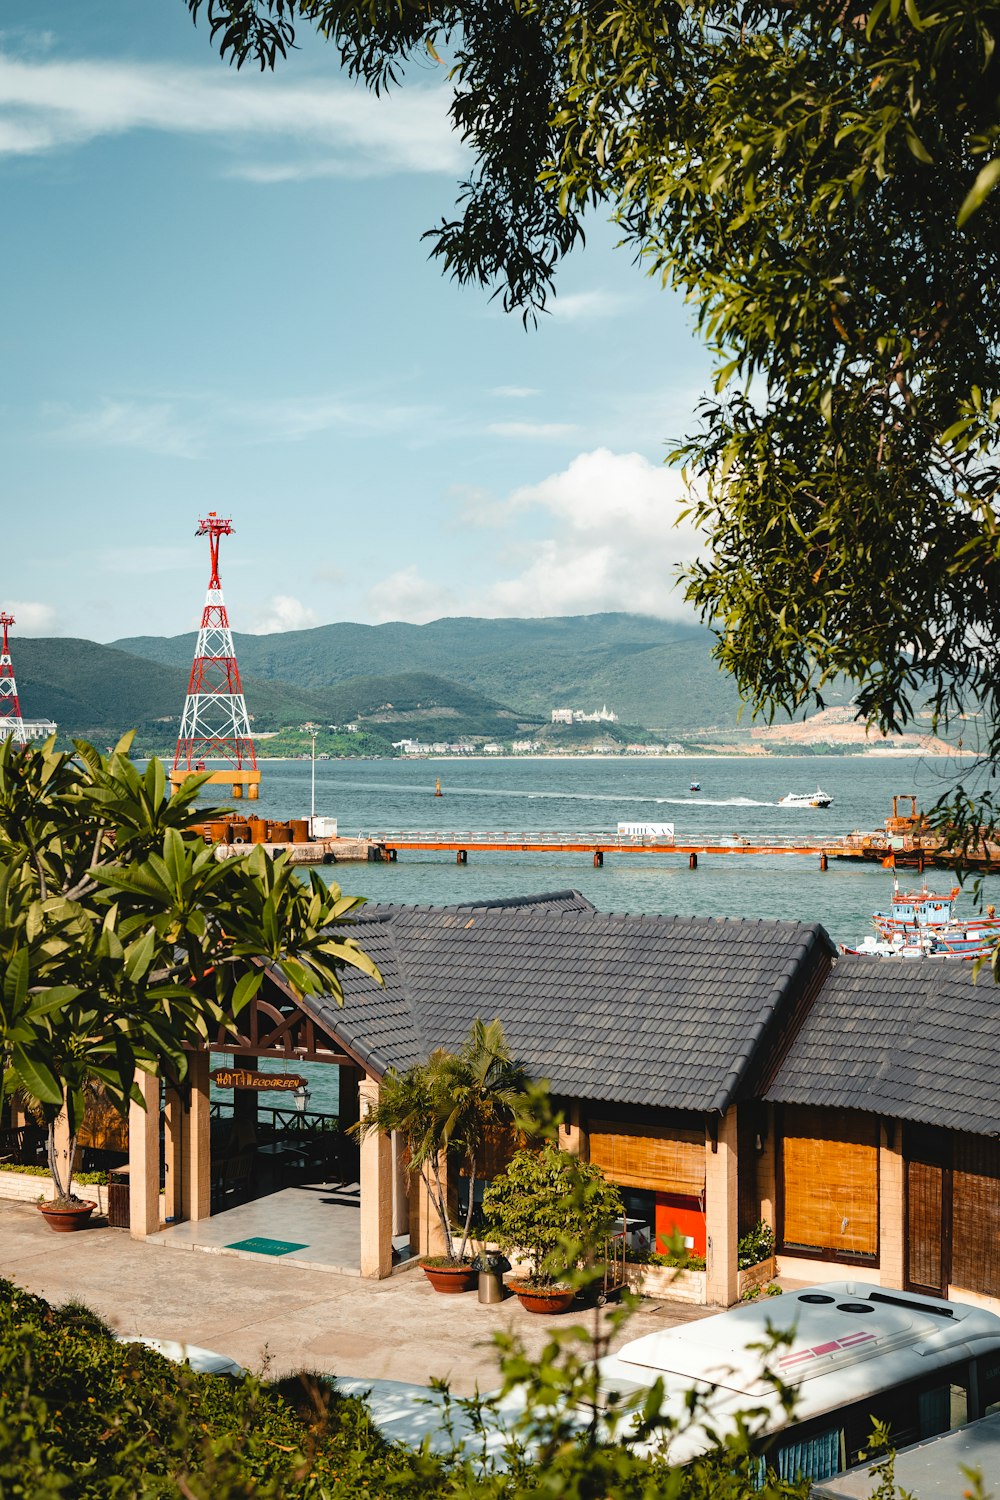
x: 722, y: 1208
x: 173, y: 1115
x: 196, y: 1149
x: 144, y: 1158
x: 767, y: 1181
x: 573, y: 1136
x: 891, y: 1207
x: 376, y: 1191
x: 431, y: 1235
x: 400, y: 1188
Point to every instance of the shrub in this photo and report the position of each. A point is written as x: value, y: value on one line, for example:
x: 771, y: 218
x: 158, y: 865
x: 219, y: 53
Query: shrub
x: 755, y: 1246
x: 550, y: 1208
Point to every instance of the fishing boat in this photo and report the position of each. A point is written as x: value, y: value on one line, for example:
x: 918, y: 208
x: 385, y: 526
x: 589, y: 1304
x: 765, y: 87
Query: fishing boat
x: 923, y: 924
x: 818, y: 798
x: 695, y: 786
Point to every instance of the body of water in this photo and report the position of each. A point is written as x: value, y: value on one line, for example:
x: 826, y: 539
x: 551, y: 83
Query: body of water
x: 738, y: 797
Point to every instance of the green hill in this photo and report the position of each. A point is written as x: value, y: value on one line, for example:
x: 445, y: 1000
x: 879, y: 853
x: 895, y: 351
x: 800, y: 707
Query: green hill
x: 654, y: 673
x: 85, y: 686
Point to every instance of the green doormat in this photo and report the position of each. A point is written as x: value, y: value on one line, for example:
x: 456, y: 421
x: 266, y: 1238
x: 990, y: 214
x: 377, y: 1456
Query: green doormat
x: 261, y: 1246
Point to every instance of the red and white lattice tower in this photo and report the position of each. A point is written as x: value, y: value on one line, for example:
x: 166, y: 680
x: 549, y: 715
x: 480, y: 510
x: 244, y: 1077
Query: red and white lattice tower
x: 215, y: 723
x: 11, y: 722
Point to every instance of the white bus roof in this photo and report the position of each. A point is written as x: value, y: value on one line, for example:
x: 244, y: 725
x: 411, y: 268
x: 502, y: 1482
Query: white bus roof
x: 864, y: 1338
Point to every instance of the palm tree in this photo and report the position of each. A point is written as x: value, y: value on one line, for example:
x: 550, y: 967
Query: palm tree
x: 454, y: 1104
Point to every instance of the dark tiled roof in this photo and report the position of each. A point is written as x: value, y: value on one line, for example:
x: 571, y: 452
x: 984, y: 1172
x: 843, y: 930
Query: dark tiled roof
x: 912, y: 1040
x: 662, y: 1011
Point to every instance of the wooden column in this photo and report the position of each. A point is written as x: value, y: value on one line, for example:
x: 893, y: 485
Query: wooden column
x: 722, y: 1208
x: 196, y: 1149
x: 376, y: 1192
x: 349, y: 1104
x: 144, y: 1158
x: 245, y: 1117
x: 767, y: 1175
x: 891, y: 1208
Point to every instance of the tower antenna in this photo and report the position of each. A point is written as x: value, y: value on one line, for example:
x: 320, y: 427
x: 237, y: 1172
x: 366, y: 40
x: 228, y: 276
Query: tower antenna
x: 215, y: 723
x: 11, y: 722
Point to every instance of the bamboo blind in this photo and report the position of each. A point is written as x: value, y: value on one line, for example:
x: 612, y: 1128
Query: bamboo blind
x: 649, y: 1156
x: 829, y: 1162
x: 975, y: 1244
x: 924, y: 1206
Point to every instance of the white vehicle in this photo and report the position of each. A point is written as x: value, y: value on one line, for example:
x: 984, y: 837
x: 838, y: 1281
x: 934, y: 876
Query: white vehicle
x: 857, y: 1352
x: 202, y: 1361
x: 818, y: 798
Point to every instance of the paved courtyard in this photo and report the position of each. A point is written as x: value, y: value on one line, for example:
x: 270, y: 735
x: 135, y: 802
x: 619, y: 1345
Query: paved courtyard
x: 271, y: 1315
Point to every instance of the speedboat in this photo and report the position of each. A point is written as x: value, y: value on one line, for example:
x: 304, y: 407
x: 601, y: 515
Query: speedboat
x: 818, y: 798
x: 921, y: 924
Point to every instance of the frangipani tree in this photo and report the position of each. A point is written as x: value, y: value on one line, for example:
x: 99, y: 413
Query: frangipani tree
x: 454, y: 1104
x: 123, y: 940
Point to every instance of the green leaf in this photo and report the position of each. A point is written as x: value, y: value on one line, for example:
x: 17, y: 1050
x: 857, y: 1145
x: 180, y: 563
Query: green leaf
x: 37, y: 1077
x: 986, y: 181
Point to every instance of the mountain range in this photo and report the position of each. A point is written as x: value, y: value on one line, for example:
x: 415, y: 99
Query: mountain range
x: 499, y: 678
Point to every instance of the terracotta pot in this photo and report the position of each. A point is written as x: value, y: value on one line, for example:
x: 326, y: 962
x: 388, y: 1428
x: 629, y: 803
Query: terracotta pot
x: 541, y: 1299
x: 64, y: 1220
x: 451, y: 1278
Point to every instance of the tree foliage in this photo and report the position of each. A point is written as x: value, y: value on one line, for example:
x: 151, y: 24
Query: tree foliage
x: 452, y: 1108
x: 551, y: 1208
x: 123, y: 940
x: 820, y: 181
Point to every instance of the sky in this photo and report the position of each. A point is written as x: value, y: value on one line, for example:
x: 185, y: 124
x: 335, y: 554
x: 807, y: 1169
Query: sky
x: 216, y: 298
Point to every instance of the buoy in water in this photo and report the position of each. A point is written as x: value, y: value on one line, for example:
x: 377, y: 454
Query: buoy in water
x: 437, y: 788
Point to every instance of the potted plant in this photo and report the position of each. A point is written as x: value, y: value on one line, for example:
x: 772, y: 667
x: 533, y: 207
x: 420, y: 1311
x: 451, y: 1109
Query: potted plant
x: 551, y: 1210
x: 451, y: 1106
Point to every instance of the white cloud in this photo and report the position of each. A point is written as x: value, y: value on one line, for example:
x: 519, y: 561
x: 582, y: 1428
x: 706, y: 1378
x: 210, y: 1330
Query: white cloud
x: 576, y: 307
x: 152, y: 426
x: 547, y: 431
x: 283, y: 130
x: 405, y: 595
x: 31, y: 618
x: 610, y: 542
x: 283, y: 612
x: 186, y: 426
x: 516, y: 392
x: 613, y: 544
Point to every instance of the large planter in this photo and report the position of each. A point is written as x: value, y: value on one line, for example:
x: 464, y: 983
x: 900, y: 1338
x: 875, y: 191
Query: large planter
x: 461, y: 1278
x: 64, y: 1219
x: 668, y: 1283
x: 549, y: 1301
x: 755, y: 1278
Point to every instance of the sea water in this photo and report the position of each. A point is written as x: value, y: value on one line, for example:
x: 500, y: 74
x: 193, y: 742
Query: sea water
x: 739, y: 798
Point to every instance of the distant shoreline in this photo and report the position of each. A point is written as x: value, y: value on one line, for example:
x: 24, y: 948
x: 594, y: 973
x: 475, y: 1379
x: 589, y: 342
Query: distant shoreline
x: 905, y: 752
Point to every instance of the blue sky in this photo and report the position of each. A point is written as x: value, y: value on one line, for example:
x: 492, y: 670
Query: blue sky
x: 216, y: 297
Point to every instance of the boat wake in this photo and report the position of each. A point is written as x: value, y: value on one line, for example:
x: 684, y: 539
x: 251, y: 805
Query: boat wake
x: 712, y: 802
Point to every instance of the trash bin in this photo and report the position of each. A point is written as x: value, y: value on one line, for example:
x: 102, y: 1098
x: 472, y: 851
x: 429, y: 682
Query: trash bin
x: 119, y: 1203
x: 491, y: 1287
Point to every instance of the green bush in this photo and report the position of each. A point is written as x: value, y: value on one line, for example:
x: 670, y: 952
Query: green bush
x: 756, y: 1245
x: 551, y: 1208
x: 88, y: 1179
x: 83, y: 1416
